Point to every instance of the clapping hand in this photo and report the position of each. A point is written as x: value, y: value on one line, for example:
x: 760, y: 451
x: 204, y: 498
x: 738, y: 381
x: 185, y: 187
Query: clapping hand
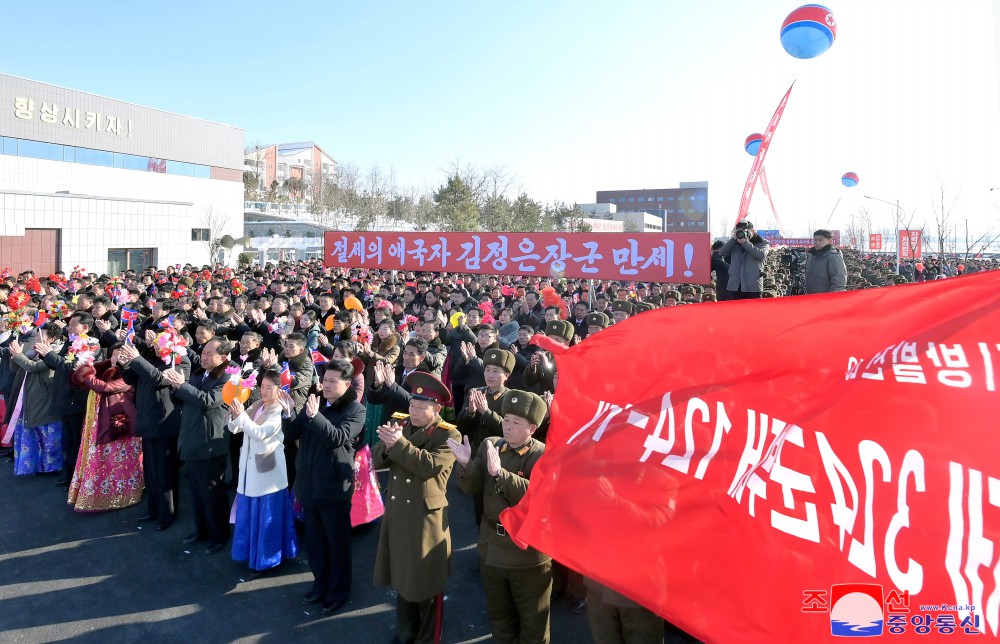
x: 389, y: 434
x: 492, y: 459
x: 175, y: 378
x: 150, y: 337
x: 126, y: 354
x: 15, y: 348
x: 102, y: 326
x: 269, y: 358
x: 312, y: 405
x: 235, y: 409
x: 468, y: 351
x: 286, y: 402
x: 462, y: 451
x: 42, y: 346
x: 477, y: 399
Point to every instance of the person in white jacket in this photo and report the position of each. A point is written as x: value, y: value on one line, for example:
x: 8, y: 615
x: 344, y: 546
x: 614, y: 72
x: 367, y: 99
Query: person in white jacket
x: 264, y: 533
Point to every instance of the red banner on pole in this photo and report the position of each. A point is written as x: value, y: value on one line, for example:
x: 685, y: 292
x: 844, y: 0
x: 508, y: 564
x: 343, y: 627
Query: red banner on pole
x: 682, y: 258
x: 911, y: 244
x: 767, y: 191
x: 875, y: 241
x: 758, y: 161
x: 735, y: 478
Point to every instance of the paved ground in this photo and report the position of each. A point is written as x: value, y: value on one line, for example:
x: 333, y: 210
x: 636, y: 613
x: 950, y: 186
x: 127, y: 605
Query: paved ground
x: 98, y: 578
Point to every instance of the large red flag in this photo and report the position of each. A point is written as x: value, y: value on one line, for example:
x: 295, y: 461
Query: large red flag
x: 782, y: 470
x: 758, y: 161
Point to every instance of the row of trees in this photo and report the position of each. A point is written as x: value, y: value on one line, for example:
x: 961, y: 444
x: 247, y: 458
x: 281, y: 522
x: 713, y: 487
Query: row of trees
x: 470, y: 198
x: 941, y: 232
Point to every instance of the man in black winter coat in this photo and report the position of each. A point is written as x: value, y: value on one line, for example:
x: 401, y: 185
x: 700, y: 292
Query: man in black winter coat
x: 203, y: 443
x: 158, y: 421
x: 328, y: 432
x: 68, y: 401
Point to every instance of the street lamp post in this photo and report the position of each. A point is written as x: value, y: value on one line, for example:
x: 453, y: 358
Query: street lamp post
x: 898, y: 217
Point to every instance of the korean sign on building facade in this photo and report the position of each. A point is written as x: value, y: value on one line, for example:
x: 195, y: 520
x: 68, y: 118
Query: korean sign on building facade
x: 668, y: 257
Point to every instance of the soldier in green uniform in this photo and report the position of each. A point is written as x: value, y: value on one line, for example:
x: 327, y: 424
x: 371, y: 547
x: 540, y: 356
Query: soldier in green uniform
x: 480, y: 416
x: 597, y: 322
x: 621, y: 310
x: 518, y: 582
x: 414, y: 549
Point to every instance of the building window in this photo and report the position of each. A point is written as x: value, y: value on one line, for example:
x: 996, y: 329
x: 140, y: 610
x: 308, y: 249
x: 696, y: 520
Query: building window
x: 659, y: 198
x: 612, y: 199
x: 200, y: 234
x: 88, y: 156
x: 125, y: 259
x: 631, y: 199
x: 670, y: 198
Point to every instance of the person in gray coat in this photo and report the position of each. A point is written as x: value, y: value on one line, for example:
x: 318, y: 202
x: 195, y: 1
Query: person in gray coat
x: 825, y: 269
x: 38, y: 449
x: 745, y: 251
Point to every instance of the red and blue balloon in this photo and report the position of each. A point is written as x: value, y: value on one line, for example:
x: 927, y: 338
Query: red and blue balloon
x: 850, y: 179
x: 752, y: 144
x: 808, y: 31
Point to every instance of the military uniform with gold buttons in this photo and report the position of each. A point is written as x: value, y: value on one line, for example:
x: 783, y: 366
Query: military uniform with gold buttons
x: 518, y: 582
x: 414, y: 550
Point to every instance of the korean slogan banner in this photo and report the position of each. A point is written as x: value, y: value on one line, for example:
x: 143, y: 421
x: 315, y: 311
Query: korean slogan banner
x: 674, y: 257
x: 780, y: 469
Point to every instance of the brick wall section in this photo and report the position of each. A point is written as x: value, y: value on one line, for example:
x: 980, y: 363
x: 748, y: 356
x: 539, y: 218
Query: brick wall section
x: 225, y: 174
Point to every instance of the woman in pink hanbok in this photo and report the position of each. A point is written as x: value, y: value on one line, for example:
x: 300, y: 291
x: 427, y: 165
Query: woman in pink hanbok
x: 108, y: 473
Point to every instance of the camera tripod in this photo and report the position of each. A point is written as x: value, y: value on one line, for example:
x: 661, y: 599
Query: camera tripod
x: 797, y: 283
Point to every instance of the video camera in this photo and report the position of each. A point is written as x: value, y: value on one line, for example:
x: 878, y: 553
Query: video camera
x: 794, y: 259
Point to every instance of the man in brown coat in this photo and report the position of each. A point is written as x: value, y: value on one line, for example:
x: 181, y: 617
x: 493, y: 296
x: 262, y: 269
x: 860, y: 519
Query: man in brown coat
x: 518, y: 582
x: 414, y: 550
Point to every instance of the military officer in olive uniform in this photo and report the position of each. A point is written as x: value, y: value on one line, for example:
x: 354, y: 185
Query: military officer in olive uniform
x: 414, y: 549
x: 480, y: 416
x: 518, y: 582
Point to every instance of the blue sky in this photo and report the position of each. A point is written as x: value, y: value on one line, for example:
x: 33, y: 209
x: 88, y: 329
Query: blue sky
x: 570, y: 96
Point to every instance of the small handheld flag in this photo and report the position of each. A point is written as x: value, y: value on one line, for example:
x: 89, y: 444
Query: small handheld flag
x: 319, y: 358
x: 286, y: 377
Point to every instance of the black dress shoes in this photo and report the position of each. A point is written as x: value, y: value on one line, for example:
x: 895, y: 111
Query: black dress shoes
x: 330, y: 608
x: 311, y: 597
x: 214, y: 548
x: 145, y: 517
x: 165, y: 525
x: 192, y: 538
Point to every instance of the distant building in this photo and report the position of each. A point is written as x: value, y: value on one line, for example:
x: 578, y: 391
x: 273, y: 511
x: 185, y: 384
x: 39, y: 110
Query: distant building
x: 110, y: 186
x: 604, y: 225
x: 683, y: 209
x: 607, y: 212
x: 280, y: 162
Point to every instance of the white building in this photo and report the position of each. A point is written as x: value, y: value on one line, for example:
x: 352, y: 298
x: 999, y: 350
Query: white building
x: 106, y: 185
x: 641, y: 221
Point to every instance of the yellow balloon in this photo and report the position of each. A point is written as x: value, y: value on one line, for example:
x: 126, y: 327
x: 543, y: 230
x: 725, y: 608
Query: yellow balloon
x: 456, y: 319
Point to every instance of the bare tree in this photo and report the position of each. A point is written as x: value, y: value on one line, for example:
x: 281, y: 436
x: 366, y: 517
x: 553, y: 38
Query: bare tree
x: 942, y: 205
x: 976, y: 246
x: 254, y: 157
x: 215, y: 221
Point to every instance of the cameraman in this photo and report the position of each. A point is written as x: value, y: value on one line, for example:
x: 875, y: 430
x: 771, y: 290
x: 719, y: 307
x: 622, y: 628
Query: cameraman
x: 745, y: 251
x: 825, y: 269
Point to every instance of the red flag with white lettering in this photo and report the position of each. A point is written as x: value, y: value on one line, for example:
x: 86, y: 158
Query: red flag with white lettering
x: 758, y: 162
x: 776, y: 470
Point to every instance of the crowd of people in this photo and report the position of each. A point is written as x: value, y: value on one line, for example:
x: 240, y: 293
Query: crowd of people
x: 293, y: 383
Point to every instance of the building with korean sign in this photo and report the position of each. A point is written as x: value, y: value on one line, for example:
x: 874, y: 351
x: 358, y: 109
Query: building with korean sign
x: 106, y: 185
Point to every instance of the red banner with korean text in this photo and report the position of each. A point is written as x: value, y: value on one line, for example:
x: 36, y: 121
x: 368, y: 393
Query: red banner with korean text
x: 681, y: 258
x: 875, y: 241
x: 758, y: 162
x: 785, y: 470
x: 911, y: 244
